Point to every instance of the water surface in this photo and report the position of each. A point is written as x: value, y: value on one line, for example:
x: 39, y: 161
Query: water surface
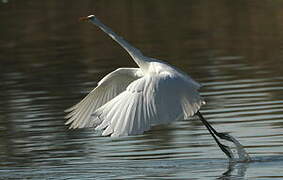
x: 49, y: 61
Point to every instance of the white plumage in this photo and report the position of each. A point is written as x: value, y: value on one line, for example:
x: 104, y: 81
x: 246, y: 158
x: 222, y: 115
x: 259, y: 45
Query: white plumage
x: 129, y: 101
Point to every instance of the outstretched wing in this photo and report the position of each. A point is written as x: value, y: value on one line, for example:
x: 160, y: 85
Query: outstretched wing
x: 148, y: 101
x: 109, y: 87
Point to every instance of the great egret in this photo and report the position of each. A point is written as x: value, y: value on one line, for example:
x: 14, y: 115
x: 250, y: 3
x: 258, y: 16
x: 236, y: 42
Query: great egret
x: 129, y: 101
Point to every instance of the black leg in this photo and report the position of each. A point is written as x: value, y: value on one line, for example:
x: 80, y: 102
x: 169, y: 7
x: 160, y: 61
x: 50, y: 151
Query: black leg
x: 214, y: 133
x: 220, y: 135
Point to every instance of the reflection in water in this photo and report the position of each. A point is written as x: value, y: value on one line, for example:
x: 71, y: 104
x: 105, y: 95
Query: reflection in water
x: 240, y: 169
x: 49, y: 61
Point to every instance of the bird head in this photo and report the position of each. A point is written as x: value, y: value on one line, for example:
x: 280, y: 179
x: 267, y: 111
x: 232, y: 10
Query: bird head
x: 90, y: 17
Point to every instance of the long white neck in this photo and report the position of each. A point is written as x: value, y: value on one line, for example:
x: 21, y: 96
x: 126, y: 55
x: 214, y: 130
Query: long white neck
x: 134, y: 52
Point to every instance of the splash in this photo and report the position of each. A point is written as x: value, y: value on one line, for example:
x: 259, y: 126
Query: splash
x: 243, y: 156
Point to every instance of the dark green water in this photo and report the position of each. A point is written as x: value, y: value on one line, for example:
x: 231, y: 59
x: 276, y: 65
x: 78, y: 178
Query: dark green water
x: 49, y: 61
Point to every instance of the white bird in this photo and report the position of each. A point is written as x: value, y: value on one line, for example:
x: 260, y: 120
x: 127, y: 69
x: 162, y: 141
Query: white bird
x: 129, y: 101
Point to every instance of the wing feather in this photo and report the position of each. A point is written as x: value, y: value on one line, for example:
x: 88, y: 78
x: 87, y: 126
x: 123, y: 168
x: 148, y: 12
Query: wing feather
x: 79, y: 115
x: 147, y: 101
